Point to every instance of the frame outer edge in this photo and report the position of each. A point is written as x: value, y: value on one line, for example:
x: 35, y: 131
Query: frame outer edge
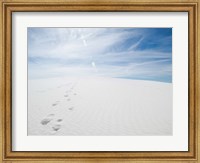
x: 100, y: 1
x: 198, y: 80
x: 1, y: 82
x: 197, y: 101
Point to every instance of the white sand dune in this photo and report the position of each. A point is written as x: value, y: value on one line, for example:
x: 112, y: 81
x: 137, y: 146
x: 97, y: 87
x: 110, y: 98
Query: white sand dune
x: 99, y: 106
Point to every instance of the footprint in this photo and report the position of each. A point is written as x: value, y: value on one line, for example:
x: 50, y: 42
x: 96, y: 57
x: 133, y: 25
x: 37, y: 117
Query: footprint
x: 68, y: 99
x: 59, y: 120
x: 48, y: 119
x: 66, y: 95
x: 56, y: 127
x: 71, y: 108
x: 56, y: 103
x: 45, y: 121
x: 75, y: 94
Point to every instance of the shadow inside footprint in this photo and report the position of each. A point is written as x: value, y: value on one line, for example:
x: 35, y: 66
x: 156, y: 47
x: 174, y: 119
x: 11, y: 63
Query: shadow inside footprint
x: 45, y: 121
x: 65, y: 95
x: 75, y: 94
x: 56, y: 127
x: 59, y: 120
x: 71, y: 108
x: 68, y: 99
x: 56, y: 103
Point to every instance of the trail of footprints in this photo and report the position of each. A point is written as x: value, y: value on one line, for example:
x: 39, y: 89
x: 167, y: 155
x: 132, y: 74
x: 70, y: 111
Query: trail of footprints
x: 51, y: 117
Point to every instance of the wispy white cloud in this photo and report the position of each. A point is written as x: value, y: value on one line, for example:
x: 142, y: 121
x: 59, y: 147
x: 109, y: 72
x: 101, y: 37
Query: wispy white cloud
x: 113, y: 52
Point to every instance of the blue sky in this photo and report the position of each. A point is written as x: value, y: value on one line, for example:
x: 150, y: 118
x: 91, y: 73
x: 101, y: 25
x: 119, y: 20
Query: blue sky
x: 133, y: 53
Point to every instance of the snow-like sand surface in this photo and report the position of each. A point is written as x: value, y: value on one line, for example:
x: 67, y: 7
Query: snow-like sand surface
x: 99, y: 106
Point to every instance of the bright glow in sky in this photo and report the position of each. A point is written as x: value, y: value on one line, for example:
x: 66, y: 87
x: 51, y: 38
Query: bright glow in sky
x: 133, y: 53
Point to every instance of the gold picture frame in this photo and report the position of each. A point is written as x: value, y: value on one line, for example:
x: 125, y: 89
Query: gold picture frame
x: 9, y: 6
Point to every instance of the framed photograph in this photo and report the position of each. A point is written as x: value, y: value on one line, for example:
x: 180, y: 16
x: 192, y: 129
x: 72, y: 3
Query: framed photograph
x: 106, y: 81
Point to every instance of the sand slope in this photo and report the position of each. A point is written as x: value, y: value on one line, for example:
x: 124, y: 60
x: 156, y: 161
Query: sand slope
x: 99, y: 106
